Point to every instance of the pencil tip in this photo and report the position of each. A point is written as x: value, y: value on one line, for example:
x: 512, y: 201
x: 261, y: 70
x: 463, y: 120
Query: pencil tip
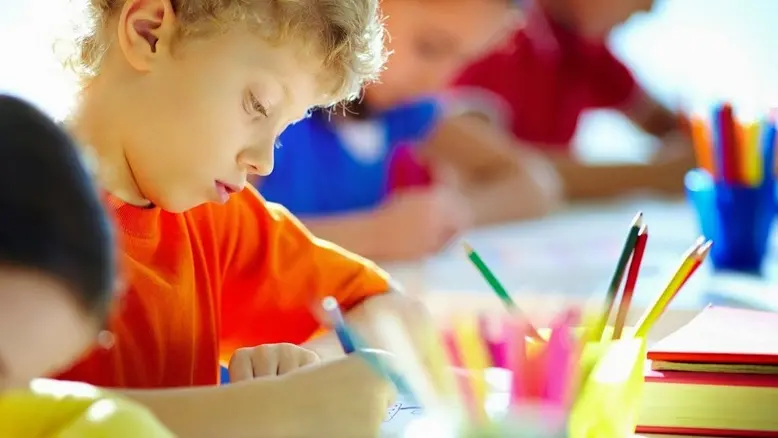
x: 703, y: 251
x: 638, y: 220
x: 467, y: 247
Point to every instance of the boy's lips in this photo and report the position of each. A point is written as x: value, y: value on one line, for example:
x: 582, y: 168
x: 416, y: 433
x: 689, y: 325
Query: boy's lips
x: 224, y: 190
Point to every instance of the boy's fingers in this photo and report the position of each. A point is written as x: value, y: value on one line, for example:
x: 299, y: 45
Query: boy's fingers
x: 287, y: 365
x: 309, y: 358
x: 266, y: 364
x: 240, y: 367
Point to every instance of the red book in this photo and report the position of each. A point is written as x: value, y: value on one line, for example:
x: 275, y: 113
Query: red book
x: 716, y: 376
x: 721, y: 339
x: 709, y: 404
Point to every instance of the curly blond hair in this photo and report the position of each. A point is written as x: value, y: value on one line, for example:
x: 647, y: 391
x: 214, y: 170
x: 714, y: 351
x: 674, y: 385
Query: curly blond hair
x: 348, y: 34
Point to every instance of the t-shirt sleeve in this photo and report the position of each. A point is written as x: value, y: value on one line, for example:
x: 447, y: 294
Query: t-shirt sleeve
x: 612, y: 83
x: 275, y: 272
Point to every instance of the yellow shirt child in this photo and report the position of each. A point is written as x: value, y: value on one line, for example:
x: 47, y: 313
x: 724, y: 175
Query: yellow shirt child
x: 57, y: 409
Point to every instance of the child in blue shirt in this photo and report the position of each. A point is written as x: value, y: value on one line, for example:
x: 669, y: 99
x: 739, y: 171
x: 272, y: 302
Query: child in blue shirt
x: 338, y: 169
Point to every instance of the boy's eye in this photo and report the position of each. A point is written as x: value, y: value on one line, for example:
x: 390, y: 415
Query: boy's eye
x: 253, y: 106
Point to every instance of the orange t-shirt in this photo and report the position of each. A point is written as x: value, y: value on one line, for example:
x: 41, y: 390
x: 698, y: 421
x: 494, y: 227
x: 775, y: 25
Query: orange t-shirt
x: 218, y: 277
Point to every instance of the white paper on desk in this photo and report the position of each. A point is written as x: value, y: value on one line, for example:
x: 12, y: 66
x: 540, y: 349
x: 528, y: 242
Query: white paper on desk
x: 398, y: 417
x: 403, y: 412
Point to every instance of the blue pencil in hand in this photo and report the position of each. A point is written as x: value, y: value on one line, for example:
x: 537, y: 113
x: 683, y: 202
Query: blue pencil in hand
x: 353, y: 344
x: 330, y: 305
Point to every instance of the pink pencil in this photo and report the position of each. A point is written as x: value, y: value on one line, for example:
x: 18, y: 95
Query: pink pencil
x: 495, y: 343
x: 560, y: 358
x: 516, y: 358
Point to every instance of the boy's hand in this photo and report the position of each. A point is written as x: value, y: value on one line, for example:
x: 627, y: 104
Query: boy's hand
x: 420, y: 221
x: 340, y: 398
x: 269, y: 360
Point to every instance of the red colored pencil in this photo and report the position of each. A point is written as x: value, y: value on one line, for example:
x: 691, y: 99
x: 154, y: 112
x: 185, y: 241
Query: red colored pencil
x: 727, y: 137
x: 632, y: 278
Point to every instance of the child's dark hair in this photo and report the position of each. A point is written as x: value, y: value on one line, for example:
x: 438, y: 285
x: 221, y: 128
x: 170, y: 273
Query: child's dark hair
x: 51, y: 217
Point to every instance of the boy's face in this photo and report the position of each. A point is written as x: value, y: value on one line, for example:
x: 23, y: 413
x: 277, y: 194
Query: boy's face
x: 201, y: 118
x: 42, y: 328
x: 431, y: 41
x: 594, y: 19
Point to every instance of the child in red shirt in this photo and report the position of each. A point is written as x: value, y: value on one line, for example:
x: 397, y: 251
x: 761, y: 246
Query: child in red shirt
x: 558, y: 66
x: 333, y: 172
x: 182, y: 102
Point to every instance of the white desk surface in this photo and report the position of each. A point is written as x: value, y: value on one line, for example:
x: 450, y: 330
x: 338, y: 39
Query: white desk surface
x: 570, y: 257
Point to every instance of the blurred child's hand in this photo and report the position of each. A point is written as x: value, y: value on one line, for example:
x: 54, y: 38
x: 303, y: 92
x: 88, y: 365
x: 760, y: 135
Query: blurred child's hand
x: 420, y: 221
x: 269, y: 360
x: 340, y: 398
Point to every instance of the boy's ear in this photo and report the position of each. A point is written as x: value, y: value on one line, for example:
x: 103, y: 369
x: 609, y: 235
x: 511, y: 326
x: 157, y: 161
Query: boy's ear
x: 146, y: 28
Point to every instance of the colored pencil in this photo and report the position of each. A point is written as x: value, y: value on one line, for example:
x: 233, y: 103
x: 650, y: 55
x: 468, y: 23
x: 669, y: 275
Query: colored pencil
x: 748, y: 142
x: 496, y: 286
x: 724, y: 141
x: 701, y: 142
x: 767, y: 147
x: 439, y: 365
x: 373, y: 358
x: 516, y: 355
x: 691, y: 259
x: 330, y: 306
x: 474, y: 359
x: 701, y: 255
x: 632, y: 277
x: 618, y: 274
x: 560, y: 358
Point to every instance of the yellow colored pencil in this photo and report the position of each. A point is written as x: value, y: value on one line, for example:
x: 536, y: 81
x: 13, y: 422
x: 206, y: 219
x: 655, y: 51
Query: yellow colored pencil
x: 690, y: 261
x: 475, y: 361
x: 750, y: 153
x: 439, y: 367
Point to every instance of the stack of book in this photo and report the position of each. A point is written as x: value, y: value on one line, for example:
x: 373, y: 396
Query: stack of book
x: 716, y: 376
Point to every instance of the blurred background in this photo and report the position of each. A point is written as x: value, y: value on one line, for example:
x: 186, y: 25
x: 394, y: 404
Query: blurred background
x: 686, y: 52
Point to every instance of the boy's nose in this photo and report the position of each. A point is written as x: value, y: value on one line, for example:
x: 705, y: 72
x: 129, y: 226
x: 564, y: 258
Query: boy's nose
x: 257, y: 160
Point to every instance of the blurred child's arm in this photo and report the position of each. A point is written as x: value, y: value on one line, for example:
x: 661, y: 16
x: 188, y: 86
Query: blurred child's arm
x: 651, y: 116
x: 277, y: 273
x: 236, y: 410
x: 591, y: 181
x: 501, y: 181
x: 579, y: 180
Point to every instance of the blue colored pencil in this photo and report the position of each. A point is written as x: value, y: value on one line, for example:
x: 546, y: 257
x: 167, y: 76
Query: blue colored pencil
x: 767, y: 139
x: 353, y: 344
x: 377, y: 363
x: 330, y: 305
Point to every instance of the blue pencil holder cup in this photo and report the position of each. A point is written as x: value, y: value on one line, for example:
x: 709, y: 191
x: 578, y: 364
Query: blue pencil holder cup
x: 738, y: 219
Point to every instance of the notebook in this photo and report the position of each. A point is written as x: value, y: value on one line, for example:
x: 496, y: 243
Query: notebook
x: 721, y: 340
x: 709, y: 404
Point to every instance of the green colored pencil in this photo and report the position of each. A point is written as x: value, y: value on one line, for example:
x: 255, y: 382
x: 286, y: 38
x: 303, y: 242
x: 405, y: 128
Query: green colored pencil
x: 618, y: 274
x: 498, y: 288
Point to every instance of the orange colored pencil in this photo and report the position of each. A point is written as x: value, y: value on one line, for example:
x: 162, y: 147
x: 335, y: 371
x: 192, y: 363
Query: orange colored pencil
x: 701, y: 140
